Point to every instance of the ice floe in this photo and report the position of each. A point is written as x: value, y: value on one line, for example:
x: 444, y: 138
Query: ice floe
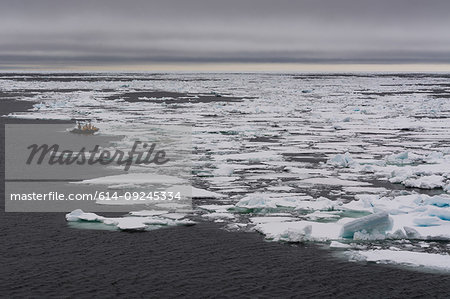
x: 415, y: 216
x: 407, y: 258
x: 336, y: 244
x: 267, y: 201
x: 404, y: 158
x: 425, y: 182
x: 134, y: 178
x: 298, y: 231
x: 141, y: 220
x: 374, y: 223
x: 340, y: 160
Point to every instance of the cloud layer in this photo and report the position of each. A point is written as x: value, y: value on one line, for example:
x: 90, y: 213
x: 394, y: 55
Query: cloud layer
x: 137, y: 31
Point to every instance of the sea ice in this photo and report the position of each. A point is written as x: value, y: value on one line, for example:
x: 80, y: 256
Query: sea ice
x: 216, y: 208
x: 425, y: 182
x: 372, y: 224
x: 296, y: 234
x: 295, y: 231
x: 276, y: 201
x: 257, y: 201
x: 316, y: 204
x: 217, y: 215
x: 224, y: 170
x: 332, y: 181
x: 403, y: 158
x: 341, y: 160
x: 407, y: 258
x: 145, y: 213
x: 193, y: 192
x: 323, y: 215
x: 336, y: 244
x: 134, y: 178
x: 129, y: 222
x: 271, y: 219
x: 388, y: 141
x: 79, y: 215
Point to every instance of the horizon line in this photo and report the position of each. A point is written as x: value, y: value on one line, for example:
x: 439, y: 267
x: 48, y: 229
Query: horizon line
x: 235, y: 67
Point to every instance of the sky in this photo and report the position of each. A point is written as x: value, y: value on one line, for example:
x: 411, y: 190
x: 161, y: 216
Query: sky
x: 113, y: 33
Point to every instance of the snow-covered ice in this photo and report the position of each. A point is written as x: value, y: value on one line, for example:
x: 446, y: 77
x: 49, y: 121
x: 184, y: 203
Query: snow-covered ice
x: 135, y: 221
x: 374, y: 223
x: 419, y: 260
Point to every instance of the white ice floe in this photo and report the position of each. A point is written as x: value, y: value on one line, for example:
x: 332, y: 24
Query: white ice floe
x: 374, y: 190
x: 403, y: 217
x: 280, y: 188
x: 173, y: 205
x: 145, y: 213
x: 425, y: 182
x: 78, y: 215
x: 257, y: 201
x: 316, y: 204
x: 341, y: 160
x: 134, y: 178
x: 274, y: 201
x: 424, y: 172
x: 297, y: 231
x: 192, y: 192
x: 202, y: 193
x: 216, y: 208
x: 428, y: 216
x: 251, y: 157
x: 224, y: 170
x: 271, y: 219
x: 403, y: 158
x: 221, y: 215
x: 129, y: 222
x: 336, y: 244
x: 323, y: 215
x: 407, y: 258
x: 332, y: 182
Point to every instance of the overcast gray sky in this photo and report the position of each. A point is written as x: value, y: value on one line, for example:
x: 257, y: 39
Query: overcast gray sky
x: 106, y: 32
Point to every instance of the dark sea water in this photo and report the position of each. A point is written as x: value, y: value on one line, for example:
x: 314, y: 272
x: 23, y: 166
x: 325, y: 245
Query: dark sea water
x: 42, y: 257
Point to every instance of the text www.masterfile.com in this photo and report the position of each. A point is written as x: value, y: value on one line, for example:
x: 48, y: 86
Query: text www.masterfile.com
x: 96, y: 196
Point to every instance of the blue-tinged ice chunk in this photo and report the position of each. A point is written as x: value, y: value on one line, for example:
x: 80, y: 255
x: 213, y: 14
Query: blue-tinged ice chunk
x: 340, y: 160
x: 378, y: 222
x: 438, y: 201
x: 427, y: 221
x: 442, y: 213
x: 39, y: 106
x: 404, y: 158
